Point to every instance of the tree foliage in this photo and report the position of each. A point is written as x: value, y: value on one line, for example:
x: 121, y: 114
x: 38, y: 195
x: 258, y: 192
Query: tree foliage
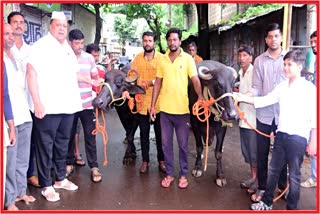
x: 152, y: 13
x: 97, y: 9
x: 124, y: 28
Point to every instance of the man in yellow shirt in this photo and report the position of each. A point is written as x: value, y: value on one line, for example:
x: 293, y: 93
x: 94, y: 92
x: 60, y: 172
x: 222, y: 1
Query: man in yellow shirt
x: 192, y: 50
x: 171, y: 86
x: 146, y: 63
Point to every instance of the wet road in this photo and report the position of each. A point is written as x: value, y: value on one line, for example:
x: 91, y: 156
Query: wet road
x: 124, y: 188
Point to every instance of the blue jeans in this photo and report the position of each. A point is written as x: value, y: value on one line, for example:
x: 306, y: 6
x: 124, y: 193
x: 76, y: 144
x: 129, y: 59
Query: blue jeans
x: 179, y: 124
x: 288, y: 149
x: 313, y: 162
x: 263, y: 146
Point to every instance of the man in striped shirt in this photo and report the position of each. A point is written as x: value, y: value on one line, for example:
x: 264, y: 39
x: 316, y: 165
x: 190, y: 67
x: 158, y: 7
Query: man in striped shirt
x: 90, y: 78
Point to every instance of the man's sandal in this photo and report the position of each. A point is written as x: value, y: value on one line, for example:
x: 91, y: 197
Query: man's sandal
x: 50, y: 194
x: 79, y: 161
x: 252, y: 189
x: 257, y: 196
x: 69, y: 170
x: 247, y: 183
x: 183, y: 183
x: 166, y: 182
x: 65, y: 184
x: 309, y: 183
x: 96, y: 175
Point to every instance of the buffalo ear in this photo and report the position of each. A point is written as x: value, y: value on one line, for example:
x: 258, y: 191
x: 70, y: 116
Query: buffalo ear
x: 135, y: 89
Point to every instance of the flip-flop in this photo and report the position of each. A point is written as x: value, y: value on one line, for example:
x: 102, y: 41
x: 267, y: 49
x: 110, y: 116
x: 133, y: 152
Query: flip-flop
x: 257, y: 196
x: 97, y: 176
x: 166, y: 182
x: 79, y: 161
x: 50, y: 194
x: 247, y: 183
x: 69, y: 170
x: 183, y: 183
x: 252, y: 189
x: 65, y: 184
x: 309, y: 183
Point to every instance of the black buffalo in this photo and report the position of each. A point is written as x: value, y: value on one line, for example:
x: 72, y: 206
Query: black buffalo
x: 218, y: 79
x: 118, y: 83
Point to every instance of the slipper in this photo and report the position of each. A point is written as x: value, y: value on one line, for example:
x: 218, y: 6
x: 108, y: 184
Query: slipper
x: 166, y: 182
x: 79, y: 161
x: 309, y: 183
x: 257, y: 196
x: 65, y: 184
x: 50, y: 194
x: 96, y: 176
x: 183, y: 183
x: 26, y: 198
x: 252, y: 189
x: 69, y: 170
x: 34, y: 181
x: 247, y: 183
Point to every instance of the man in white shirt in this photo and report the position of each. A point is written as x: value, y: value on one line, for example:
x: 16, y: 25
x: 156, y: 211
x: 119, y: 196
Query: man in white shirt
x: 52, y: 73
x: 248, y: 137
x: 21, y: 51
x: 293, y: 133
x: 17, y: 154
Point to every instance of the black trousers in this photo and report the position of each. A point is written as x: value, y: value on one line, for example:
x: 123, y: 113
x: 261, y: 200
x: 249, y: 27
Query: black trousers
x: 144, y: 125
x: 87, y: 118
x: 54, y: 132
x: 263, y: 146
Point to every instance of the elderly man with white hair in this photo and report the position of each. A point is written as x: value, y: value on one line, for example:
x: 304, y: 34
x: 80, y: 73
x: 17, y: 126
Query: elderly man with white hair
x: 52, y: 75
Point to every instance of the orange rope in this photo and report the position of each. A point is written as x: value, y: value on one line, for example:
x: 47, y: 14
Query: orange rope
x: 102, y: 129
x: 131, y: 103
x: 202, y: 108
x: 242, y: 117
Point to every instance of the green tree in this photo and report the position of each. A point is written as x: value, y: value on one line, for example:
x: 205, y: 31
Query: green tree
x: 152, y: 13
x: 97, y: 9
x: 124, y: 28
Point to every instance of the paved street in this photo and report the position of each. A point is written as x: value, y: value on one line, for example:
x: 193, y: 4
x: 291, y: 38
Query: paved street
x: 124, y: 188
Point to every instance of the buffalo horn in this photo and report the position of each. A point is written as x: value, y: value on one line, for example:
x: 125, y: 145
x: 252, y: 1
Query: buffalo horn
x: 203, y: 73
x: 234, y: 72
x: 132, y: 78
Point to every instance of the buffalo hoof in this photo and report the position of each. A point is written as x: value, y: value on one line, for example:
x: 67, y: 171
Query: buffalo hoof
x: 196, y: 172
x: 221, y: 182
x: 129, y: 158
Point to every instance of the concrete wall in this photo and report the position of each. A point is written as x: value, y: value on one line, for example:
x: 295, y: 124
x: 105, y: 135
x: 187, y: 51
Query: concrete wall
x: 224, y: 12
x: 83, y: 20
x: 223, y: 46
x: 191, y: 18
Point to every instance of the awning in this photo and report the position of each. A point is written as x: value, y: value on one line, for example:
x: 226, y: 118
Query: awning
x: 243, y: 21
x: 47, y: 7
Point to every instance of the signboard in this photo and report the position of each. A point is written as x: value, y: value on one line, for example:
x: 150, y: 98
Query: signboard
x: 49, y: 7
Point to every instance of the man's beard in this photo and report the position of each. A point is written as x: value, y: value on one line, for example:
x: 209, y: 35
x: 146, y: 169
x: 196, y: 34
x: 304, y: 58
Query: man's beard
x: 173, y: 48
x: 148, y: 50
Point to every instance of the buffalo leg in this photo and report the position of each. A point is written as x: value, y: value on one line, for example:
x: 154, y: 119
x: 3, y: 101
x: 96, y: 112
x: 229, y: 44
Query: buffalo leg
x: 220, y: 180
x: 197, y: 170
x: 130, y: 154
